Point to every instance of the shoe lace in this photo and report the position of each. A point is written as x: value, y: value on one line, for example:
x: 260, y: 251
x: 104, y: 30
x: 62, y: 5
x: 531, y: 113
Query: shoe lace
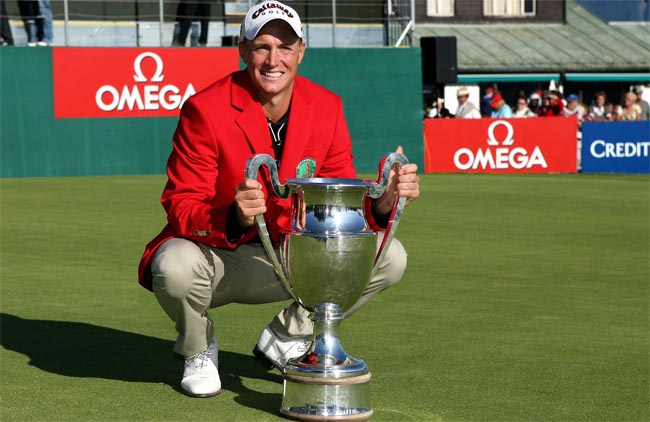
x: 199, y: 360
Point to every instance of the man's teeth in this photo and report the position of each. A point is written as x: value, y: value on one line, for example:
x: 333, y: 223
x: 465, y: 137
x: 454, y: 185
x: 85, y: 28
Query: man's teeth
x: 273, y: 74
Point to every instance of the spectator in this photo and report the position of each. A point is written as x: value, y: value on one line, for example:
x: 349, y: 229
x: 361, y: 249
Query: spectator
x: 574, y: 108
x: 600, y: 110
x: 6, y: 38
x: 187, y: 12
x: 552, y: 105
x: 486, y: 110
x: 499, y: 107
x: 645, y: 107
x: 630, y: 110
x: 45, y: 37
x: 37, y: 20
x: 427, y: 106
x: 438, y: 111
x: 466, y: 109
x: 194, y: 34
x: 522, y: 109
x: 533, y: 102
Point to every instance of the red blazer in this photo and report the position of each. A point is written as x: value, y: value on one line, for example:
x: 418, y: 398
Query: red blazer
x: 219, y: 129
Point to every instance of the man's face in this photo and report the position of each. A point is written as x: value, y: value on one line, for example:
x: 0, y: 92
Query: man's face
x: 462, y: 99
x: 272, y: 59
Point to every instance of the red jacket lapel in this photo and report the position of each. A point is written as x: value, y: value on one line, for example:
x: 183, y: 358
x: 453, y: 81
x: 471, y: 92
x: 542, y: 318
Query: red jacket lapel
x: 251, y: 115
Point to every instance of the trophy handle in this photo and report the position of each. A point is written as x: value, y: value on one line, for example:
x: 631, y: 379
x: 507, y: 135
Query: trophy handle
x: 378, y: 189
x: 252, y: 170
x: 281, y: 191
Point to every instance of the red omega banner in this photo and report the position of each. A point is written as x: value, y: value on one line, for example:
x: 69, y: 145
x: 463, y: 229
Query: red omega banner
x: 133, y: 82
x: 532, y: 145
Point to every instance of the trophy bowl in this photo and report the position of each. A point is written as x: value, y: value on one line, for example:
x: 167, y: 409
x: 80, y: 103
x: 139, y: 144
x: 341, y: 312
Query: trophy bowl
x: 326, y: 260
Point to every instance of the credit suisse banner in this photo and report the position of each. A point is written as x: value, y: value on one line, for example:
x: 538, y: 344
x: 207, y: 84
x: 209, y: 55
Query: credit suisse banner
x: 133, y: 82
x: 616, y: 147
x: 532, y: 145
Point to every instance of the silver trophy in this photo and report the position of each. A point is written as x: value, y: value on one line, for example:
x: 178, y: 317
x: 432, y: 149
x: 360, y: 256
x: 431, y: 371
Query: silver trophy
x: 325, y: 260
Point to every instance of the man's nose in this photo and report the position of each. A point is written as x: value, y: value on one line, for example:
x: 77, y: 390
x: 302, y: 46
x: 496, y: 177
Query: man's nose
x: 273, y: 58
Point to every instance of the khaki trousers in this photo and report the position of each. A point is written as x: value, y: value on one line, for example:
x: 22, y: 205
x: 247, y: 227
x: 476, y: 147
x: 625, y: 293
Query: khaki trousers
x: 189, y: 278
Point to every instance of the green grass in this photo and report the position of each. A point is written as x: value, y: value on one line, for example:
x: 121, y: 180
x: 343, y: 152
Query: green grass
x: 526, y: 298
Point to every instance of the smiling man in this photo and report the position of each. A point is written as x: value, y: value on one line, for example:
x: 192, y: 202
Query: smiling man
x: 209, y: 254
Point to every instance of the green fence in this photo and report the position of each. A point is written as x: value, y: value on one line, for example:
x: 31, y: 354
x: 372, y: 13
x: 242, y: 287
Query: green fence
x: 381, y: 90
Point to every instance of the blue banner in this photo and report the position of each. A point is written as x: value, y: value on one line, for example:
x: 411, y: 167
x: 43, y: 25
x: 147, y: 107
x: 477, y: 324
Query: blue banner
x: 616, y: 147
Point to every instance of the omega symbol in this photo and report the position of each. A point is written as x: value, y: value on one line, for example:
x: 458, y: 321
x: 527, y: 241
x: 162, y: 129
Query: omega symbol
x: 137, y: 68
x: 509, y: 140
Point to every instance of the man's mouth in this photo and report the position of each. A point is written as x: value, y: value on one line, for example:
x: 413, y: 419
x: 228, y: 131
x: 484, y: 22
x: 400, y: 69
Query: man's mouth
x: 272, y: 74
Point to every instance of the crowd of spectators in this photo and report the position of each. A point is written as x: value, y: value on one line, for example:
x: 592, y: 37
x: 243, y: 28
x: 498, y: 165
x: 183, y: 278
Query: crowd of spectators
x: 547, y: 103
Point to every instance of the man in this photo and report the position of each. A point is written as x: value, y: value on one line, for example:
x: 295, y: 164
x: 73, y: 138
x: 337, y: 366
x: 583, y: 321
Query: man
x: 6, y: 37
x: 499, y: 107
x: 37, y: 21
x: 209, y: 253
x: 533, y: 102
x: 438, y: 110
x: 486, y: 110
x: 189, y: 14
x: 466, y: 110
x: 645, y: 107
x: 574, y: 108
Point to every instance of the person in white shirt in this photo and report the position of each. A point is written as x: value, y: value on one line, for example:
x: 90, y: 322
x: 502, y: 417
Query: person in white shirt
x: 466, y: 110
x: 600, y: 110
x: 522, y: 109
x: 573, y: 107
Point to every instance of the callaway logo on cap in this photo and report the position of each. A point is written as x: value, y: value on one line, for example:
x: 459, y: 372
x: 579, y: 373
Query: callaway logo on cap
x: 261, y: 14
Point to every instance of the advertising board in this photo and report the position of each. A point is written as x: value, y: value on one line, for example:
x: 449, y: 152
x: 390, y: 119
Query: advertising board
x: 533, y: 145
x: 133, y: 82
x: 616, y: 147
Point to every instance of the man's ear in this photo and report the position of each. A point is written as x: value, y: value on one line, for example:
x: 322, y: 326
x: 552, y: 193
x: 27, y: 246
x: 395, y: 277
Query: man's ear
x: 301, y: 54
x: 243, y: 50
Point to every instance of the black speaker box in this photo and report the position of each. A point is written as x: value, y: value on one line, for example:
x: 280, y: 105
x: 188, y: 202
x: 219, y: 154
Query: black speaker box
x: 439, y: 63
x: 229, y: 40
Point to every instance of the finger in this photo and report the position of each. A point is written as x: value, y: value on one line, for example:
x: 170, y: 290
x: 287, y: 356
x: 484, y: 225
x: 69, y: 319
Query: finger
x: 251, y: 184
x: 399, y: 150
x: 253, y: 211
x: 411, y: 168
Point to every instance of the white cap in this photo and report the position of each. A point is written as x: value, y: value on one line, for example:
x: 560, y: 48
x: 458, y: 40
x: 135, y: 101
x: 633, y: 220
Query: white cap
x: 261, y: 14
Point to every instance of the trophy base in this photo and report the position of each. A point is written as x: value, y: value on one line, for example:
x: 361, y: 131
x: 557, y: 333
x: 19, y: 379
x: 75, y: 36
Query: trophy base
x: 327, y: 399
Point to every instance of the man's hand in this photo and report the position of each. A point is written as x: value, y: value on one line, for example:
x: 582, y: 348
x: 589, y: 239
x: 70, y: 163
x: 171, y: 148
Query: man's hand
x: 249, y: 202
x: 403, y: 183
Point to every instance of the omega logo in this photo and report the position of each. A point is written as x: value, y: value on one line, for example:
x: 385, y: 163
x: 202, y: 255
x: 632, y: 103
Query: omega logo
x: 498, y: 155
x: 145, y: 94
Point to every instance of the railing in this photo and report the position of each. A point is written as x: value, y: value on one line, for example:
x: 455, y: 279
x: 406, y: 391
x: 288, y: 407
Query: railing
x: 213, y: 23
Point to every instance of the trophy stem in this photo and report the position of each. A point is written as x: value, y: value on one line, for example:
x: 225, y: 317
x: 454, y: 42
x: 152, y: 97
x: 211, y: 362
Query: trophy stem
x: 326, y: 383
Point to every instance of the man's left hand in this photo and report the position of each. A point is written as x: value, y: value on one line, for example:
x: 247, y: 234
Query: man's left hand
x: 402, y: 182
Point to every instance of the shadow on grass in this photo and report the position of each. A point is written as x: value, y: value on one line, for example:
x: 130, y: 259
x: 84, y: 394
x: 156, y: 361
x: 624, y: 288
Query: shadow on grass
x: 83, y: 350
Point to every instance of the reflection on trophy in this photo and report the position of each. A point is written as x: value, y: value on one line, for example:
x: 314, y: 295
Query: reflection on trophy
x: 325, y: 260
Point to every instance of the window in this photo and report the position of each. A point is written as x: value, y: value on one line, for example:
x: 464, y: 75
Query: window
x: 509, y: 7
x: 440, y: 7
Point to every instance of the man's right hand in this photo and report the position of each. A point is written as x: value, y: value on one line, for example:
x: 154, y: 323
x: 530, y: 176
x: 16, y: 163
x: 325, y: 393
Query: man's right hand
x: 249, y: 202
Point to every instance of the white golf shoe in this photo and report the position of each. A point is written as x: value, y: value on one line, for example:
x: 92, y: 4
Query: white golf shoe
x: 275, y: 351
x: 201, y: 374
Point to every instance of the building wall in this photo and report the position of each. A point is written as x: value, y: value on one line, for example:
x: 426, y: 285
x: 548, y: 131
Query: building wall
x: 471, y: 11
